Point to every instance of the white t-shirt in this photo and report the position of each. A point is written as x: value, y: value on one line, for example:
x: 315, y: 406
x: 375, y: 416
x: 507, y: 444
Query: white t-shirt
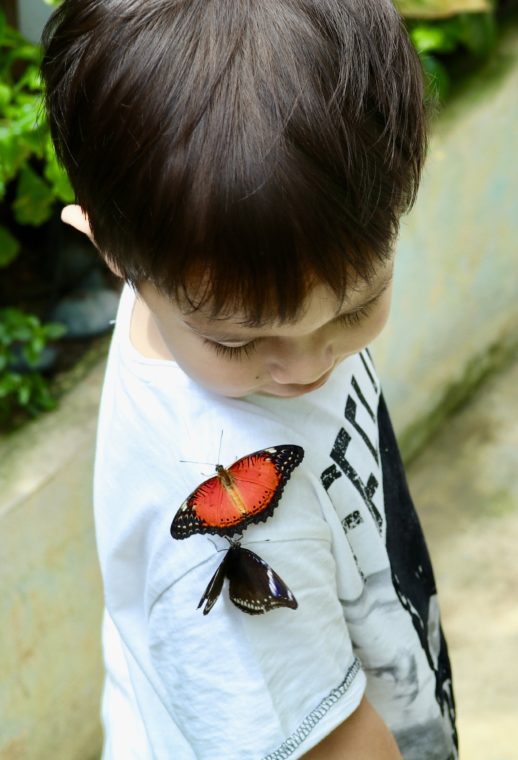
x: 345, y: 539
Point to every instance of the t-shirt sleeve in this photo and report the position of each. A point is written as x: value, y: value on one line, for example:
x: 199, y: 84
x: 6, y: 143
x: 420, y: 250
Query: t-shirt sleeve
x: 259, y: 686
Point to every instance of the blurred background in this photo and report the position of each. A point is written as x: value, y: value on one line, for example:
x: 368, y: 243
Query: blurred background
x: 448, y: 360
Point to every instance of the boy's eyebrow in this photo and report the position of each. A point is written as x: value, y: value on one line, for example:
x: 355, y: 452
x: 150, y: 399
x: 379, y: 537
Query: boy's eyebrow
x: 232, y: 337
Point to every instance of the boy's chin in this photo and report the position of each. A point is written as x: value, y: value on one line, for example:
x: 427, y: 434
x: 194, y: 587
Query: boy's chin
x: 272, y: 390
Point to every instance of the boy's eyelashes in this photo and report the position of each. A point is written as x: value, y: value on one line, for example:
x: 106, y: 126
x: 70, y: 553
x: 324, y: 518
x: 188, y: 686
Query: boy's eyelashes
x: 232, y: 352
x: 244, y: 351
x: 354, y: 317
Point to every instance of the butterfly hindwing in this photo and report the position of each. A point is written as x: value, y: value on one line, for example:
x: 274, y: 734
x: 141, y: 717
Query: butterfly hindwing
x: 213, y: 590
x: 246, y: 492
x: 254, y: 587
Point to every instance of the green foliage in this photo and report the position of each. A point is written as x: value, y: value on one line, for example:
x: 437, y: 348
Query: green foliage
x: 30, y: 172
x: 27, y: 156
x: 9, y: 247
x: 437, y: 40
x: 22, y: 336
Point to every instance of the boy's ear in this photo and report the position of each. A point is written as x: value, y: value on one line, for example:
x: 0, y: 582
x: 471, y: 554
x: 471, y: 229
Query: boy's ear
x: 76, y: 217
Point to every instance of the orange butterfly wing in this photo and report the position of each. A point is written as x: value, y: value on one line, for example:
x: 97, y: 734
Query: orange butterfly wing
x: 248, y: 491
x: 212, y: 504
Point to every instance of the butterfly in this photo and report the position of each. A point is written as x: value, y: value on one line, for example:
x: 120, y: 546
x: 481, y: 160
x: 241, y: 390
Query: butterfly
x: 254, y: 586
x: 246, y: 492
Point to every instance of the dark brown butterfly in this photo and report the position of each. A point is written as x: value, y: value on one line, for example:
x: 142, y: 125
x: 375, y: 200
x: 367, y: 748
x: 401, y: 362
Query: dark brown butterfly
x: 246, y: 492
x: 253, y: 586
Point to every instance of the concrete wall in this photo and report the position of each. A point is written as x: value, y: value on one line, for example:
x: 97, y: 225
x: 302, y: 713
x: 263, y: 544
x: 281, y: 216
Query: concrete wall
x: 455, y: 307
x: 32, y: 15
x: 50, y: 591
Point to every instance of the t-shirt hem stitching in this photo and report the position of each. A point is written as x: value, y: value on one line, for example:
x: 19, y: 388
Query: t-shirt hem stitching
x: 293, y: 742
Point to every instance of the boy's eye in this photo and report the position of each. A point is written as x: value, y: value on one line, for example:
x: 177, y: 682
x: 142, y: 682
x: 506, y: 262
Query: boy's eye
x: 232, y: 352
x: 244, y: 351
x: 356, y: 316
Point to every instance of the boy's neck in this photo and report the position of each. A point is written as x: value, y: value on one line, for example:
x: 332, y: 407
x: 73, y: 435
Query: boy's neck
x: 145, y: 335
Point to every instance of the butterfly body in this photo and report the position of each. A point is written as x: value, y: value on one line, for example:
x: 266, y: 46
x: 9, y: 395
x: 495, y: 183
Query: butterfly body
x: 254, y: 587
x: 246, y: 492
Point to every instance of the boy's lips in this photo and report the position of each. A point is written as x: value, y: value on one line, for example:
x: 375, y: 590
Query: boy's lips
x: 295, y: 389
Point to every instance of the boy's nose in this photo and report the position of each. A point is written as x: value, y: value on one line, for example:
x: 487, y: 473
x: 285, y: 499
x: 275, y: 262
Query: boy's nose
x: 301, y: 364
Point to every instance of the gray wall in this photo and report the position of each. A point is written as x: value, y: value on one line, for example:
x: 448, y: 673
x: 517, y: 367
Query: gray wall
x: 455, y: 311
x: 32, y: 15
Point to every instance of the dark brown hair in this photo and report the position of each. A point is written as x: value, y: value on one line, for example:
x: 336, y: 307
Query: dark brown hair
x: 250, y: 146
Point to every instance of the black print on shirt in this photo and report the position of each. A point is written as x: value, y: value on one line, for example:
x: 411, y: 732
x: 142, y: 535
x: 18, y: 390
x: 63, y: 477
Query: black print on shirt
x: 410, y: 570
x: 352, y: 520
x: 368, y: 370
x: 366, y: 490
x: 329, y: 476
x: 412, y: 573
x: 362, y: 398
x: 350, y: 415
x: 339, y: 450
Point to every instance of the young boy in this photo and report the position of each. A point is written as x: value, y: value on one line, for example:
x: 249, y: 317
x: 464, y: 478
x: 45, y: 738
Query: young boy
x: 243, y: 165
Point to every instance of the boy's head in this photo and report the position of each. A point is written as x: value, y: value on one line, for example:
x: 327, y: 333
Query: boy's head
x: 235, y: 157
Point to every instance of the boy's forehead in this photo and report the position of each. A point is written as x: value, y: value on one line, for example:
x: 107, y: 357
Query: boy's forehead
x: 321, y: 305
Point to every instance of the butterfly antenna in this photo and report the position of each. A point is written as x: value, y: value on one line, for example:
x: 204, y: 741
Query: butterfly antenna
x: 189, y: 461
x: 214, y: 544
x: 220, y: 442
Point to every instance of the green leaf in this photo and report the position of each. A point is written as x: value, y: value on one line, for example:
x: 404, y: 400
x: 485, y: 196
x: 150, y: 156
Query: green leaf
x: 25, y: 52
x: 54, y: 330
x: 42, y: 400
x: 432, y: 37
x: 18, y: 329
x: 20, y: 136
x: 33, y: 141
x: 25, y: 113
x: 6, y: 94
x: 12, y: 154
x: 30, y: 80
x: 9, y: 247
x: 56, y: 175
x: 24, y: 394
x: 9, y: 383
x: 34, y: 199
x: 12, y: 38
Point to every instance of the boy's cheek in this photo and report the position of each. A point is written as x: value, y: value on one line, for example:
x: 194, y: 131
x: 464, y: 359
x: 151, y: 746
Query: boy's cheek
x: 380, y: 318
x: 215, y: 373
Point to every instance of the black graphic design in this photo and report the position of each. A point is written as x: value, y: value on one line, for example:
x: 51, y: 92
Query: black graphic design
x: 400, y: 597
x: 412, y: 572
x: 368, y: 370
x: 362, y: 398
x: 350, y: 415
x: 329, y: 476
x: 352, y: 520
x: 366, y: 490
